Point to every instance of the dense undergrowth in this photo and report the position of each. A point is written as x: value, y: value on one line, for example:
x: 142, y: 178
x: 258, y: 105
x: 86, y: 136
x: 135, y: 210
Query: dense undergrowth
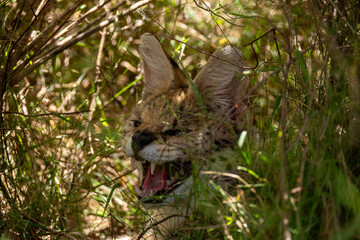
x: 70, y: 72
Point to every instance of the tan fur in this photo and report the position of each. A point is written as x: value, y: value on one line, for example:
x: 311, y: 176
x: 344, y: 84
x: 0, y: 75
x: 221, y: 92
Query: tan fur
x: 170, y: 125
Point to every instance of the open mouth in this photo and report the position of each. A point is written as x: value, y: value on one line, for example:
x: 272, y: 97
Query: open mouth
x: 160, y: 180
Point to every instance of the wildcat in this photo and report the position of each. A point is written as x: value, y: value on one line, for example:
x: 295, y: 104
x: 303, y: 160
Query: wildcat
x: 179, y: 122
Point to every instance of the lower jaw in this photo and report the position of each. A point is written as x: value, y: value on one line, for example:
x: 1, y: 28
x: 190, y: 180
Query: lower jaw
x: 179, y: 193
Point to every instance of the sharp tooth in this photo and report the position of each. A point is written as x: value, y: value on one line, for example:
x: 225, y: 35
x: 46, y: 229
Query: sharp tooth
x: 151, y: 192
x: 153, y: 165
x: 176, y: 175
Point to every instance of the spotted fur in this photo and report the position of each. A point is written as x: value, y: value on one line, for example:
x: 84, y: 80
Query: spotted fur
x: 178, y: 120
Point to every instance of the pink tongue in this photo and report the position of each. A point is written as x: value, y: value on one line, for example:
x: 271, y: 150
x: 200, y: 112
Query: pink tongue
x: 157, y: 181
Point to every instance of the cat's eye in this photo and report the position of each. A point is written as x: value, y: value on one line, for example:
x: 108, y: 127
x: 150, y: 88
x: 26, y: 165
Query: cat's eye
x: 137, y: 123
x: 172, y: 132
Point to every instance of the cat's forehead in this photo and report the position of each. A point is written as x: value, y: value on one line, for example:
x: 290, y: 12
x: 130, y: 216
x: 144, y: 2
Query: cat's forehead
x: 161, y: 104
x: 157, y: 108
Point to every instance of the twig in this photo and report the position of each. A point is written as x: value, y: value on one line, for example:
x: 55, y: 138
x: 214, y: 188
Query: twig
x: 31, y: 8
x: 283, y: 168
x: 46, y: 114
x: 256, y: 39
x: 259, y: 37
x: 75, y: 23
x: 225, y: 227
x: 97, y: 84
x: 99, y: 18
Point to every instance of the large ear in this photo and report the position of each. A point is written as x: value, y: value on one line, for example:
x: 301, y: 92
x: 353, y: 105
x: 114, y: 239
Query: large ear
x: 220, y: 82
x: 160, y: 72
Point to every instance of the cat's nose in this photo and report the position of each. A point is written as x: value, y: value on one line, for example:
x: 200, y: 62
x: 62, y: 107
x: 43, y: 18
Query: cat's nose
x: 140, y: 139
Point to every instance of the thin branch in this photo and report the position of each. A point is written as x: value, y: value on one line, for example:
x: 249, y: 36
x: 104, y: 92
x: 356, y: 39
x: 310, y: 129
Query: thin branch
x: 276, y: 43
x: 100, y: 17
x: 54, y: 23
x: 45, y: 114
x: 256, y: 39
x: 225, y: 226
x: 222, y: 32
x: 256, y: 58
x: 259, y: 37
x: 75, y: 23
x: 31, y: 8
x: 97, y: 84
x: 284, y: 192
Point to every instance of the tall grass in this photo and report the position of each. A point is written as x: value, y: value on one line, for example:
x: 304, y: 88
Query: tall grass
x: 70, y: 73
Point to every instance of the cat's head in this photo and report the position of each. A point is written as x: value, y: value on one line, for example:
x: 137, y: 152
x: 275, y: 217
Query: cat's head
x: 178, y: 119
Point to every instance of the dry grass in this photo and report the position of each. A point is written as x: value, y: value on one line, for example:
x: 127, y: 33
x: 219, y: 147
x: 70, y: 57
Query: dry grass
x: 70, y: 72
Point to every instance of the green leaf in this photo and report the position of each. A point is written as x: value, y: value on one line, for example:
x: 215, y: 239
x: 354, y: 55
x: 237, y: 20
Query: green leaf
x: 109, y: 197
x: 125, y: 88
x: 63, y: 118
